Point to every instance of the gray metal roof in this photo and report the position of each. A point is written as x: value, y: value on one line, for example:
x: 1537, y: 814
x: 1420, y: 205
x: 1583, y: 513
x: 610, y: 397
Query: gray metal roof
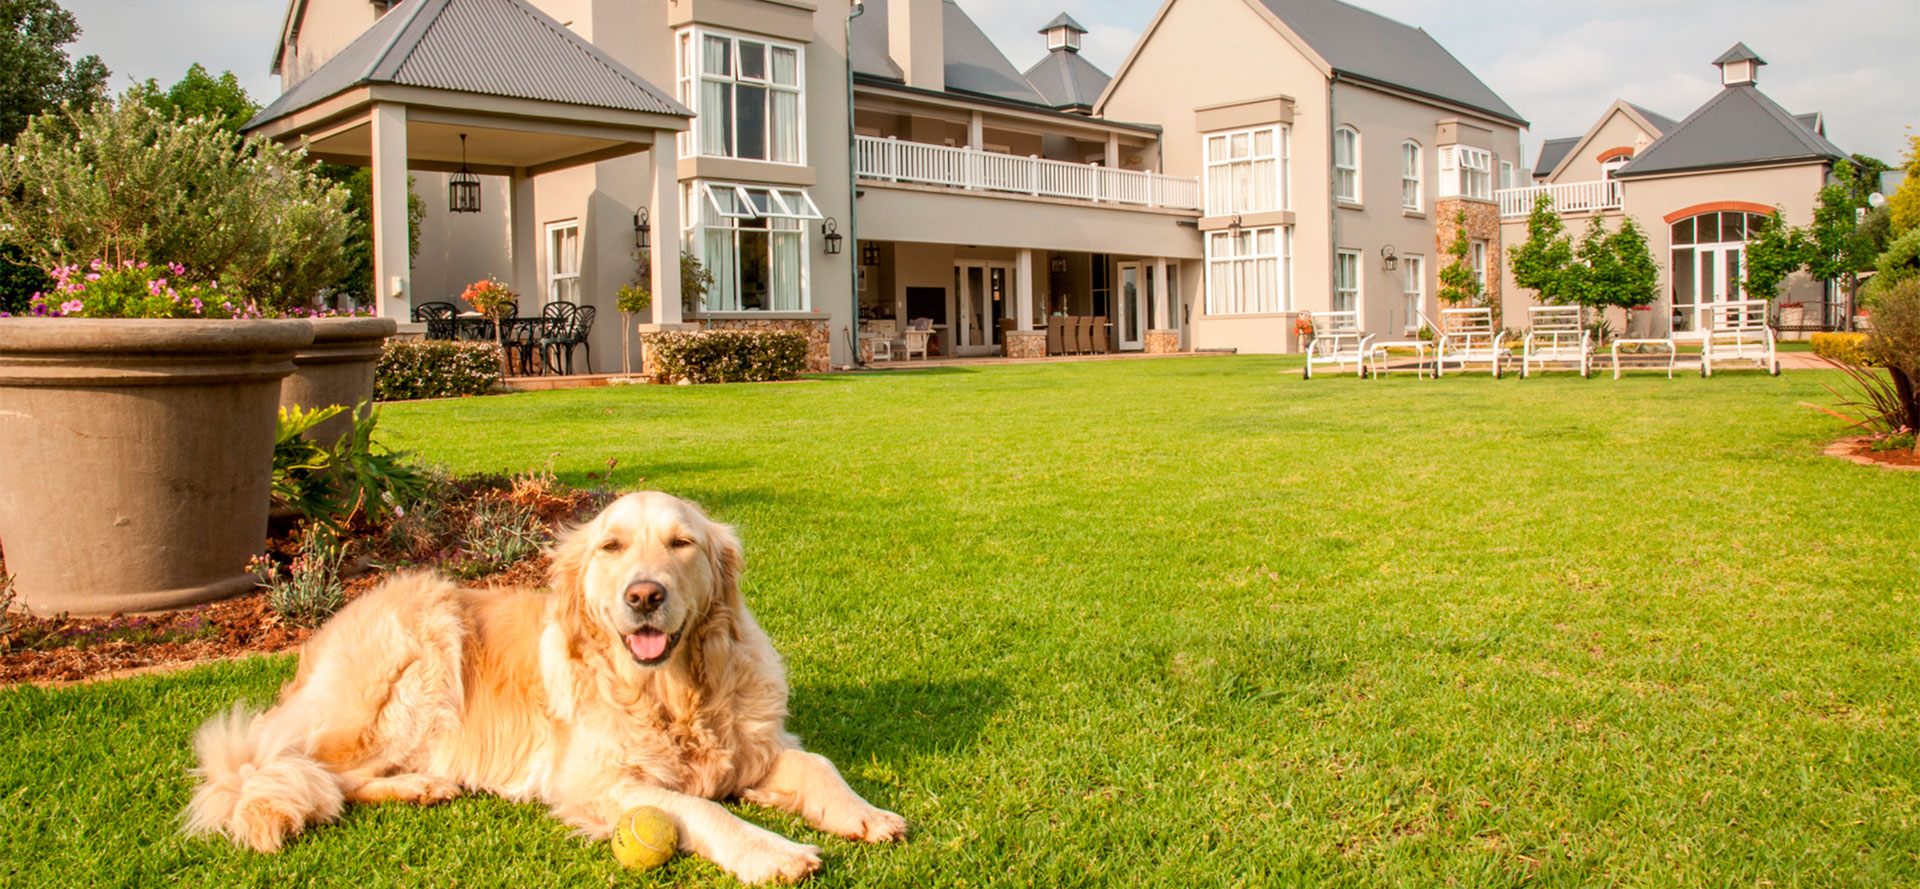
x: 973, y: 63
x: 1371, y: 46
x: 1738, y: 127
x: 1814, y: 121
x: 1739, y: 53
x: 1062, y: 21
x: 1660, y: 121
x: 1067, y: 80
x: 491, y: 47
x: 1551, y: 153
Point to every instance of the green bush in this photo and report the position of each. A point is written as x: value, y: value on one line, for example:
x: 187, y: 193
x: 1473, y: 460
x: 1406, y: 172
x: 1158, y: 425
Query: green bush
x: 1846, y: 348
x: 729, y: 356
x: 410, y: 369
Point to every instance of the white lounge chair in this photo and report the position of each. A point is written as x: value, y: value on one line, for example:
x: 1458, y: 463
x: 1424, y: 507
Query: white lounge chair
x: 1468, y: 337
x: 1738, y: 331
x: 1337, y: 340
x: 1556, y: 336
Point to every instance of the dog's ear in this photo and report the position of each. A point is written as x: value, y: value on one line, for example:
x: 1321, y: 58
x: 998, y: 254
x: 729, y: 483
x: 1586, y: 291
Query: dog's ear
x: 566, y: 574
x: 723, y: 550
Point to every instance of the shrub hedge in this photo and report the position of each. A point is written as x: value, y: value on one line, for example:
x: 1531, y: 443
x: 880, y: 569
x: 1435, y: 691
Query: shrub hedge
x: 1846, y: 348
x: 729, y: 356
x: 411, y: 369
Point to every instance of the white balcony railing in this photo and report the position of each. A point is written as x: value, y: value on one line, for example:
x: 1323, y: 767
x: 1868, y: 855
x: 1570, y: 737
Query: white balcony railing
x: 1568, y: 197
x: 898, y: 161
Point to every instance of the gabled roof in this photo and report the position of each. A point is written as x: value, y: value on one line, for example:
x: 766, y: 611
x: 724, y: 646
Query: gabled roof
x: 1739, y: 127
x: 1739, y: 53
x: 1062, y: 21
x: 489, y: 47
x: 973, y: 64
x: 1661, y: 123
x: 1369, y: 46
x: 1551, y: 152
x: 1652, y: 124
x: 1066, y: 80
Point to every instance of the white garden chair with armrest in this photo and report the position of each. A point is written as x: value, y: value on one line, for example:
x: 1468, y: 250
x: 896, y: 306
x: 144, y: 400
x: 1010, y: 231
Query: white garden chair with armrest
x: 1337, y: 340
x: 1738, y: 331
x: 1468, y: 337
x: 1555, y: 335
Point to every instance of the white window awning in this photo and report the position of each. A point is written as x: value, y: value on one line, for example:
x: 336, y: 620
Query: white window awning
x: 757, y: 202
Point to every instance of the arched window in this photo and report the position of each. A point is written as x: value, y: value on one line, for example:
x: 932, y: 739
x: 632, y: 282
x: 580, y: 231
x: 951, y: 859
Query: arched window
x: 1709, y: 252
x: 1611, y: 163
x: 1346, y: 164
x: 1410, y: 175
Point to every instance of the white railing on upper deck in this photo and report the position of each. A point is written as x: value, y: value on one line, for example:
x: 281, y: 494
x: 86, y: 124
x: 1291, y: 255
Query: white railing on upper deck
x: 1568, y: 197
x: 898, y: 161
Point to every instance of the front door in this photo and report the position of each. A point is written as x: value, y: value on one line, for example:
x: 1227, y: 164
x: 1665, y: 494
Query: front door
x: 1130, y: 310
x: 1719, y: 271
x: 983, y: 292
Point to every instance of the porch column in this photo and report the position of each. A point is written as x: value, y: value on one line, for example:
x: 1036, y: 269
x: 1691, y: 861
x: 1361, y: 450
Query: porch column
x: 977, y: 132
x: 1162, y: 300
x: 521, y: 230
x: 666, y: 231
x: 1113, y: 151
x: 1023, y: 290
x: 391, y: 259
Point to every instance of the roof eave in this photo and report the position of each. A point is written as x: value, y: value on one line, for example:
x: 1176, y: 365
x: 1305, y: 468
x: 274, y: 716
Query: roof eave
x: 1344, y: 74
x: 1628, y: 173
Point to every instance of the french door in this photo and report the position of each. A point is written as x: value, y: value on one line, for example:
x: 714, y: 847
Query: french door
x: 983, y: 292
x: 1130, y: 310
x: 1704, y: 275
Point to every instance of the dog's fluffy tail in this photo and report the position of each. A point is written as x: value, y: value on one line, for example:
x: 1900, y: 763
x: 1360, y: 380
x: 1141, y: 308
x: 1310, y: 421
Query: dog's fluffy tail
x: 257, y: 783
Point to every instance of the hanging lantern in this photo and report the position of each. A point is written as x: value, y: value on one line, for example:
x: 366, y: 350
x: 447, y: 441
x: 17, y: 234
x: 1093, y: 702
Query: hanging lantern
x: 832, y: 237
x: 869, y: 254
x: 463, y: 188
x: 642, y: 231
x: 1057, y: 264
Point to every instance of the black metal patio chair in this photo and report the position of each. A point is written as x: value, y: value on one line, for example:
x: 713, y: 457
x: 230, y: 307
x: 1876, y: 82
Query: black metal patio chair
x: 570, y: 328
x: 438, y: 316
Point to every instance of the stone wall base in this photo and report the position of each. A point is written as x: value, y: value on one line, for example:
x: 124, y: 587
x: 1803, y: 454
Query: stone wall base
x: 1162, y: 342
x: 1026, y: 343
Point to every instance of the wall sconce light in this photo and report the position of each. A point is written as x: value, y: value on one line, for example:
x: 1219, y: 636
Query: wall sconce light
x: 1387, y: 258
x: 832, y: 237
x: 869, y: 254
x: 1057, y: 264
x: 642, y: 229
x: 463, y: 188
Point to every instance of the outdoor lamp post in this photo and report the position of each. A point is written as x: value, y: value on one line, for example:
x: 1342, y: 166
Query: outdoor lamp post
x: 832, y: 238
x: 463, y: 188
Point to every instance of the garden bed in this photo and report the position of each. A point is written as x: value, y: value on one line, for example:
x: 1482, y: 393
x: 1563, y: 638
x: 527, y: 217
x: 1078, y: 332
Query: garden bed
x: 1859, y: 449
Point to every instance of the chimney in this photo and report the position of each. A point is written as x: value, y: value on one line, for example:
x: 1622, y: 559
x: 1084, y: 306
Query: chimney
x: 916, y: 38
x: 1739, y: 66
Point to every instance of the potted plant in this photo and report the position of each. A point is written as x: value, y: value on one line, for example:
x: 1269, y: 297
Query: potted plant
x: 1792, y: 315
x: 491, y: 298
x: 137, y: 414
x: 337, y: 370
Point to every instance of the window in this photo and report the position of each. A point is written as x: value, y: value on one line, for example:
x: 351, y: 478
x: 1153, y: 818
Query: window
x: 1410, y: 175
x: 1248, y: 271
x: 1476, y: 173
x: 1480, y: 264
x: 563, y: 262
x: 1613, y: 162
x: 1413, y: 290
x: 1246, y: 171
x: 1346, y: 164
x: 745, y: 94
x: 1506, y: 175
x: 753, y: 240
x: 1346, y: 281
x: 1708, y: 260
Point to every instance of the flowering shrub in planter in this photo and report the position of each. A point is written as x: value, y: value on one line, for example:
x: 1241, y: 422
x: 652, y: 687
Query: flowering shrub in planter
x: 136, y: 290
x: 411, y: 369
x: 729, y: 356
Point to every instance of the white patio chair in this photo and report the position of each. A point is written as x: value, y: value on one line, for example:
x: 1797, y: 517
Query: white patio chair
x: 915, y: 337
x: 1556, y: 336
x: 1468, y: 337
x: 1337, y: 340
x: 882, y: 334
x: 1738, y: 331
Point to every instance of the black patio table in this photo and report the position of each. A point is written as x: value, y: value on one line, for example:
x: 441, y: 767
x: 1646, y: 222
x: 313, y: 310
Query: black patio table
x: 516, y: 336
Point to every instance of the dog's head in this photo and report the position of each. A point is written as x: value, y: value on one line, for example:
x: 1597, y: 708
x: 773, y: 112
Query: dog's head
x: 649, y: 571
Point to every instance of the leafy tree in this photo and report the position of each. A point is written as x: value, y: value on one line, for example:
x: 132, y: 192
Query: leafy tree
x: 1775, y: 250
x: 1635, y: 277
x: 36, y: 75
x: 1895, y: 342
x: 357, y: 280
x: 1837, y: 249
x: 124, y: 182
x: 1866, y: 181
x: 1458, y: 285
x: 199, y: 94
x: 1903, y: 206
x: 1544, y: 263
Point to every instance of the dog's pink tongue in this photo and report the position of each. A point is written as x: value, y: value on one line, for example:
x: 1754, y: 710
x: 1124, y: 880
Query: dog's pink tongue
x: 648, y: 644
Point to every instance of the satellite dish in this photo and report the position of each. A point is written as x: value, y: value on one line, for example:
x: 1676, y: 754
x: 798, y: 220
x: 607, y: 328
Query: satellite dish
x: 1876, y: 200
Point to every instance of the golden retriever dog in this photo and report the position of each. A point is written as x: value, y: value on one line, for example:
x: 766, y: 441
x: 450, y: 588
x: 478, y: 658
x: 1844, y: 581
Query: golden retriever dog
x: 639, y: 680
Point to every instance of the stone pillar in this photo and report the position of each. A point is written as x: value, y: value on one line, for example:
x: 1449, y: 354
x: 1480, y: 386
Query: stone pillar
x: 522, y: 224
x: 391, y: 258
x: 1023, y: 290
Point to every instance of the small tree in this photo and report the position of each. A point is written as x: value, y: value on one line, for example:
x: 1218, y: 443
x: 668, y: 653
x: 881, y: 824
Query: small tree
x: 1774, y: 251
x: 36, y: 75
x: 632, y: 299
x: 1837, y: 248
x: 1544, y: 263
x: 1458, y: 284
x: 695, y: 281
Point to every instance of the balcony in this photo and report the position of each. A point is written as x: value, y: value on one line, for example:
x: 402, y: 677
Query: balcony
x: 1568, y: 197
x: 892, y: 160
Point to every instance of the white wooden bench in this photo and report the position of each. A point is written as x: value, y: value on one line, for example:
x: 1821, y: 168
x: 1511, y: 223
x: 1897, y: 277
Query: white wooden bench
x: 1468, y: 337
x: 1737, y: 331
x: 1555, y: 335
x: 1337, y: 340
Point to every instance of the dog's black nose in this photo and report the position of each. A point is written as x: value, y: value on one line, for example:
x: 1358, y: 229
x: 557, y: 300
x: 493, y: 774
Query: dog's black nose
x: 644, y: 596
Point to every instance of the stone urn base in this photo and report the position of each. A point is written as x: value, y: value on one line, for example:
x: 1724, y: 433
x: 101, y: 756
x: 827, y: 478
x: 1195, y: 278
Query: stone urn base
x: 337, y: 370
x: 138, y: 458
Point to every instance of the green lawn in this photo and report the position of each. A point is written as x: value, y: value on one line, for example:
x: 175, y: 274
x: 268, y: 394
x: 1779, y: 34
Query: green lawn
x: 1195, y: 622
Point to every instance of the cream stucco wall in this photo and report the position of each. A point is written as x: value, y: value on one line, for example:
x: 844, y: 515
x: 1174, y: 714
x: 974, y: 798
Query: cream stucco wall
x: 1618, y: 130
x: 326, y: 28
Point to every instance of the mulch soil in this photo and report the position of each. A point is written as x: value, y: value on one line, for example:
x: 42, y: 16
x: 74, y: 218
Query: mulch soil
x: 1860, y: 450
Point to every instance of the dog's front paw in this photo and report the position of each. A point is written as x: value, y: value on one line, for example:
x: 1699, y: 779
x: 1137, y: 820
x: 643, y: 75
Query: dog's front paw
x: 774, y: 858
x: 872, y: 825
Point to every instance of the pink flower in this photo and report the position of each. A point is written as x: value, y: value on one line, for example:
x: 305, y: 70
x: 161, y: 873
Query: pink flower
x: 93, y: 276
x: 71, y: 307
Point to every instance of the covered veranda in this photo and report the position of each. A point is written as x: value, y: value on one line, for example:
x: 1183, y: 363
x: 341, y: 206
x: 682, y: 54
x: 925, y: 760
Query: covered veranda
x: 482, y: 87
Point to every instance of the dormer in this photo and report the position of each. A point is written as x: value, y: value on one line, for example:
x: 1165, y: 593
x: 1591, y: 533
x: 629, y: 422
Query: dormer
x: 1739, y: 66
x: 1063, y: 33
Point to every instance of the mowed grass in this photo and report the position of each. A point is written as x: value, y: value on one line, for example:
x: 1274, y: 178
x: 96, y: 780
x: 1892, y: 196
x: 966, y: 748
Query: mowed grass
x: 1194, y: 622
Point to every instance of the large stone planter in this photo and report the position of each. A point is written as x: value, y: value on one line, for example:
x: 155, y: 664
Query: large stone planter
x: 337, y: 369
x: 136, y: 457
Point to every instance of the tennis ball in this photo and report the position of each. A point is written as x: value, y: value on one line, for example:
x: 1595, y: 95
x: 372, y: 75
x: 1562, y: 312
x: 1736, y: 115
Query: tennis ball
x: 645, y: 838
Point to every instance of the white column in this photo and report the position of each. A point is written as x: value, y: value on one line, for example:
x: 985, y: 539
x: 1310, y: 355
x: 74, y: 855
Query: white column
x: 1163, y: 301
x: 391, y: 258
x: 1023, y: 290
x: 977, y: 132
x: 523, y: 234
x: 1113, y: 151
x: 666, y: 231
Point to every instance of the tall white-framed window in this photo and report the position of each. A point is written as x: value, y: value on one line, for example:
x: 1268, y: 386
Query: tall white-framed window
x: 1413, y: 290
x: 1248, y: 271
x: 1346, y: 281
x: 747, y: 95
x: 1346, y: 164
x: 1480, y: 264
x: 1506, y: 174
x: 563, y: 261
x: 1247, y: 171
x: 1475, y: 174
x: 1410, y: 175
x: 753, y: 240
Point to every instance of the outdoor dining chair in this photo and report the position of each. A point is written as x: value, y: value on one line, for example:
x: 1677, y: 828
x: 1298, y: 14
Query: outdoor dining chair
x: 562, y: 338
x: 438, y: 316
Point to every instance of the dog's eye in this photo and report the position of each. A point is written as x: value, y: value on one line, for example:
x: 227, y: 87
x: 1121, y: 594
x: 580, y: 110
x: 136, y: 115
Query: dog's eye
x: 612, y: 545
x: 680, y: 542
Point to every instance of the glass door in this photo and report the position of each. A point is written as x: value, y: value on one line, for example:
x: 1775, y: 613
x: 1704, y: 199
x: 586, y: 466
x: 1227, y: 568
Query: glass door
x: 1131, y: 315
x: 983, y: 292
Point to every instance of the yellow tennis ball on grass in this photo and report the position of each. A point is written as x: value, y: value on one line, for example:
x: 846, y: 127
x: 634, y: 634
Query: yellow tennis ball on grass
x: 645, y: 838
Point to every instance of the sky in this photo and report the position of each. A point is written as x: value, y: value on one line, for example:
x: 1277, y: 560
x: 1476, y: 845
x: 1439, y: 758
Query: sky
x: 1560, y: 64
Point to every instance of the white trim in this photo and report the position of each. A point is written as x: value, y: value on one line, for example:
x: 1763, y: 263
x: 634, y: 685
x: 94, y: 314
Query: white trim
x: 1412, y: 174
x: 1357, y: 283
x: 1414, y: 301
x: 556, y: 277
x: 1224, y: 154
x: 784, y: 228
x: 1352, y: 166
x: 691, y: 78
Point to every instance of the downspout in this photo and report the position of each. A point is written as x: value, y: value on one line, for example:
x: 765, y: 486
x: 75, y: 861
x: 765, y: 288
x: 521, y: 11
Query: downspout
x: 858, y: 8
x: 1333, y: 198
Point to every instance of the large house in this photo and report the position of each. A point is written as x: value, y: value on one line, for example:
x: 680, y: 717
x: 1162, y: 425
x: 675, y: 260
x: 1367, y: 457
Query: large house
x: 1249, y: 160
x: 1697, y: 187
